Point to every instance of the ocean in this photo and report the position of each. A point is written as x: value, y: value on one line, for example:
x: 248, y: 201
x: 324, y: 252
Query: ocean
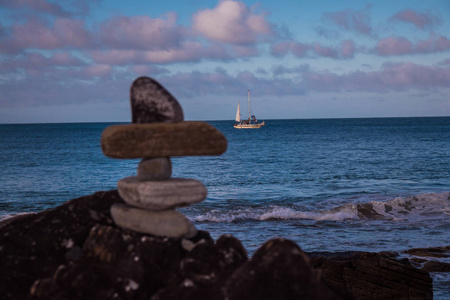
x: 379, y: 184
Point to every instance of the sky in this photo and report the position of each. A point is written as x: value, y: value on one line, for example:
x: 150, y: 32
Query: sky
x: 74, y: 61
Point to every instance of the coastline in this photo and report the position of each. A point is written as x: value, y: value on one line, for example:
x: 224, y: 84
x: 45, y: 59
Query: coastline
x: 80, y: 236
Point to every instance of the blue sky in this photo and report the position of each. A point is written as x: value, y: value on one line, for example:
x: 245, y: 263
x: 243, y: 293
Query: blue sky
x: 74, y: 61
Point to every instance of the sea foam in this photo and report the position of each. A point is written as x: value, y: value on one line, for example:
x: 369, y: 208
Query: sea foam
x: 415, y: 208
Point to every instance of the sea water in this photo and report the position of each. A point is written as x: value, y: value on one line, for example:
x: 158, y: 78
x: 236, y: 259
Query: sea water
x: 377, y: 184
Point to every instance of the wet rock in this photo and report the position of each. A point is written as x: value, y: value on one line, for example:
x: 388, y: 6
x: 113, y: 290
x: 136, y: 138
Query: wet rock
x: 162, y: 140
x: 436, y: 266
x: 75, y: 251
x: 161, y: 195
x: 278, y: 270
x: 154, y: 169
x: 438, y: 252
x: 165, y: 223
x: 205, y: 269
x: 34, y: 245
x: 373, y: 276
x: 117, y: 264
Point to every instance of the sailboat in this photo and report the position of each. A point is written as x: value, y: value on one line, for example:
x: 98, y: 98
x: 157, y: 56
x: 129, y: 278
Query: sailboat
x: 251, y: 122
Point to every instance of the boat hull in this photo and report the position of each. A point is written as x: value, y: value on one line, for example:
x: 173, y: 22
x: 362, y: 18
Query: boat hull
x: 249, y: 126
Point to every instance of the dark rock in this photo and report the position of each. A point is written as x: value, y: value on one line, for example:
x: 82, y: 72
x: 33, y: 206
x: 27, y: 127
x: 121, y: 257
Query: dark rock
x: 438, y: 252
x: 373, y: 275
x: 204, y: 270
x: 436, y: 266
x: 278, y: 270
x: 75, y: 251
x: 152, y: 103
x: 34, y: 245
x: 120, y: 264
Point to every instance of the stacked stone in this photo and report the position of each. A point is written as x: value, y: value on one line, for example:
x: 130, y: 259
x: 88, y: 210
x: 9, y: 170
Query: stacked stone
x: 158, y: 132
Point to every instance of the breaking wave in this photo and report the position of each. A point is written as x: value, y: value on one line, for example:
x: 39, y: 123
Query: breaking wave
x: 415, y: 208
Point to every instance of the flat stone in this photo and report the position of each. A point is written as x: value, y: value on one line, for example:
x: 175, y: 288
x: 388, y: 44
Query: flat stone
x: 168, y: 223
x: 162, y: 140
x: 161, y: 195
x: 152, y: 103
x: 154, y: 168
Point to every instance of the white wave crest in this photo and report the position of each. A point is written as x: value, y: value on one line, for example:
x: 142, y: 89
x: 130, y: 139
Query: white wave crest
x: 414, y: 208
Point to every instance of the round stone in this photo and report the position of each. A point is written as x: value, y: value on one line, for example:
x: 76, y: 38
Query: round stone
x: 161, y: 195
x: 152, y: 103
x: 154, y: 168
x: 167, y: 223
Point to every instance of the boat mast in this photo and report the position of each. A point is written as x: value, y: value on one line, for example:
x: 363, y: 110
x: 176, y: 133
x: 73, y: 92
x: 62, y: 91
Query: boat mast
x: 248, y: 96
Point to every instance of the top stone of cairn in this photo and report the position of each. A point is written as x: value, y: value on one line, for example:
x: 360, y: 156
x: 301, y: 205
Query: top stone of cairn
x: 158, y: 129
x: 152, y: 103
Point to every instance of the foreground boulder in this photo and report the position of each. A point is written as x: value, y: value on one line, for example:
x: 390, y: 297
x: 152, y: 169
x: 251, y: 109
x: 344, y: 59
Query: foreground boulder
x: 75, y: 251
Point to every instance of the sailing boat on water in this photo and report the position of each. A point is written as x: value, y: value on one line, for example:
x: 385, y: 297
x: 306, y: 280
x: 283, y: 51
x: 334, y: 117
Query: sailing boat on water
x: 251, y: 122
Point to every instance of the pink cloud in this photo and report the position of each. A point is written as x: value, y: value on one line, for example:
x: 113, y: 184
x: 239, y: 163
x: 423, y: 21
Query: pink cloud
x: 97, y: 70
x: 433, y: 44
x: 344, y: 51
x: 401, y: 46
x: 148, y: 69
x: 32, y: 61
x: 445, y: 62
x: 37, y: 5
x: 418, y: 19
x: 394, y: 46
x: 187, y: 52
x: 141, y: 32
x: 324, y: 51
x: 232, y: 22
x: 65, y: 33
x: 352, y: 20
x: 392, y: 77
x: 347, y: 49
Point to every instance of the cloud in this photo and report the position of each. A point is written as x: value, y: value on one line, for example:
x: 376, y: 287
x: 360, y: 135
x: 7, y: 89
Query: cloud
x: 296, y: 48
x: 232, y: 22
x: 33, y: 62
x: 40, y: 6
x: 37, y: 34
x: 219, y: 82
x: 346, y: 49
x: 351, y: 20
x: 418, y: 19
x: 401, y: 46
x: 445, y: 62
x: 189, y: 51
x: 394, y: 46
x: 392, y: 77
x: 141, y: 32
x: 148, y: 70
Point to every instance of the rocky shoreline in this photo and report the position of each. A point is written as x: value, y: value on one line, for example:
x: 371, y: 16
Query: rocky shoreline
x: 75, y: 251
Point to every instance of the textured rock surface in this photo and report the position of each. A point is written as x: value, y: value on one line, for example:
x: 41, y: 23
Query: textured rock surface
x: 162, y: 140
x: 438, y: 252
x: 166, y: 223
x: 161, y: 195
x: 278, y: 270
x: 152, y: 103
x: 75, y: 251
x: 373, y: 275
x: 433, y: 259
x: 155, y: 168
x: 33, y: 246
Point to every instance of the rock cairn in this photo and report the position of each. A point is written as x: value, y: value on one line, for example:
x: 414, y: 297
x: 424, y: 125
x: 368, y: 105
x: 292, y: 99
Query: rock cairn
x: 157, y: 133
